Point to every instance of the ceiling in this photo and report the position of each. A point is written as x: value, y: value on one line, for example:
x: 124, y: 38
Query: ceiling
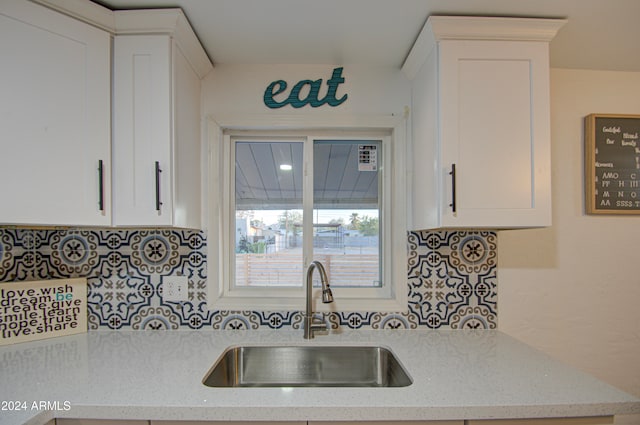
x: 600, y: 34
x: 339, y: 181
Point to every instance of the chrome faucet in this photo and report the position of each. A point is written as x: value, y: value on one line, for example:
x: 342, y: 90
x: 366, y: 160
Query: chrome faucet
x: 312, y: 324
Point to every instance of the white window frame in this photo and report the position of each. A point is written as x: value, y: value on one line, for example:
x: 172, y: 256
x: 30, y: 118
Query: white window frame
x: 221, y: 235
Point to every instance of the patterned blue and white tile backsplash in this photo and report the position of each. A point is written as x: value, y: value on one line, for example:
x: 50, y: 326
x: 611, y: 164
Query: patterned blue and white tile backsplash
x: 451, y: 279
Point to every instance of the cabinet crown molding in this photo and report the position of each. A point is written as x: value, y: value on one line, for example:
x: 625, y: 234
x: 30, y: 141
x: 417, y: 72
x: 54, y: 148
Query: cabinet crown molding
x: 83, y: 10
x: 172, y: 22
x: 494, y: 28
x: 439, y: 28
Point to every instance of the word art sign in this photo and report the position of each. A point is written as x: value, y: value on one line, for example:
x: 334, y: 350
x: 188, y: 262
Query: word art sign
x: 612, y: 164
x: 42, y: 309
x: 278, y: 89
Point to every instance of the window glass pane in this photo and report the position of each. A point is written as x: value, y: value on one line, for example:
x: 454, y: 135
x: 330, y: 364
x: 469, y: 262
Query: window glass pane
x: 268, y: 210
x: 346, y: 215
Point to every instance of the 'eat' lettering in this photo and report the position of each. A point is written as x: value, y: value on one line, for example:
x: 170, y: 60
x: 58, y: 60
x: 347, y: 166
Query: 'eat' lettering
x: 278, y: 87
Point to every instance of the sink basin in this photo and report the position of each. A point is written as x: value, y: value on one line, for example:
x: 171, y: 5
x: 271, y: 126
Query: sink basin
x: 307, y: 366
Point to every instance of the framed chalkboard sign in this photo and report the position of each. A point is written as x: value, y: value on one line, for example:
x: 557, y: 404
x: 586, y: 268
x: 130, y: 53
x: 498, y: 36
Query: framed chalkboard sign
x: 612, y: 164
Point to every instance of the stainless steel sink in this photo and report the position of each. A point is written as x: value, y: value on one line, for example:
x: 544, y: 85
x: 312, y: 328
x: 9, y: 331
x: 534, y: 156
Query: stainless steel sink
x: 307, y: 366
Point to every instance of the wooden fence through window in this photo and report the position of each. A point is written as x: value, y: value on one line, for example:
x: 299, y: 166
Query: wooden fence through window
x: 285, y: 269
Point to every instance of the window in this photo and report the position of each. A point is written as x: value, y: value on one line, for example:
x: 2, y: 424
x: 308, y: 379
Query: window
x: 280, y: 199
x: 347, y: 215
x: 268, y: 211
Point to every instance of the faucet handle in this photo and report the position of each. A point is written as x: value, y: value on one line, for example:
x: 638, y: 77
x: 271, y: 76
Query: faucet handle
x: 318, y: 323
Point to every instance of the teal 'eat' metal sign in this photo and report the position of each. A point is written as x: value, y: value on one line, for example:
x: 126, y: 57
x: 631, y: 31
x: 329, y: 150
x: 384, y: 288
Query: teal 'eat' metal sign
x: 280, y: 86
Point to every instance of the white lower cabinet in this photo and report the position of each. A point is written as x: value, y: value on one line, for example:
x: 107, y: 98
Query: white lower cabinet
x: 601, y: 420
x: 99, y: 422
x: 228, y: 423
x: 305, y: 423
x: 386, y: 423
x: 302, y: 423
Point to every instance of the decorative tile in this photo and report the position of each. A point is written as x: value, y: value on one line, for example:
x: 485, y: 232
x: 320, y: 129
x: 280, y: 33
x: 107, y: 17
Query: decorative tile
x: 235, y: 320
x: 393, y: 321
x: 116, y: 297
x: 155, y: 251
x: 451, y: 279
x: 6, y: 255
x: 73, y: 253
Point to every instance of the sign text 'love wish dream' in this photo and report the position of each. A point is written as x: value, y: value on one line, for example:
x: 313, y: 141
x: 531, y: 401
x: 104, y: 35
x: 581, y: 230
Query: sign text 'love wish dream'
x: 277, y: 89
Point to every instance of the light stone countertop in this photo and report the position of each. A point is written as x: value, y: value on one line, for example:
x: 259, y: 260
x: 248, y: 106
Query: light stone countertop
x: 157, y: 375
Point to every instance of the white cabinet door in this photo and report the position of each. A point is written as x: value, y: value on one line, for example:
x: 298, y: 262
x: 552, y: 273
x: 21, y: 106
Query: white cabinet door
x: 494, y: 129
x: 54, y: 118
x: 460, y: 422
x: 100, y: 422
x: 156, y: 143
x: 307, y: 423
x: 163, y: 422
x: 603, y: 420
x: 142, y: 124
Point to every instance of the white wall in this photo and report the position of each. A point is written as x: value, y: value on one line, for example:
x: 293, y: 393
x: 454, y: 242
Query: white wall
x: 573, y: 290
x: 239, y: 89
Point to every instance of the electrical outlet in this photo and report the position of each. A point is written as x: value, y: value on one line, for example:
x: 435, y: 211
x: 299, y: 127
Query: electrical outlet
x: 175, y: 288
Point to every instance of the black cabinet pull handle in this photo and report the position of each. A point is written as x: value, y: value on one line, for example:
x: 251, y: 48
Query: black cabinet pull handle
x: 158, y: 171
x: 453, y: 187
x: 100, y: 186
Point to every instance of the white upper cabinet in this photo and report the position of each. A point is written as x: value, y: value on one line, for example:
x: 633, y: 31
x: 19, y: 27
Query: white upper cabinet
x: 156, y: 123
x: 142, y: 131
x: 55, y: 128
x: 480, y: 123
